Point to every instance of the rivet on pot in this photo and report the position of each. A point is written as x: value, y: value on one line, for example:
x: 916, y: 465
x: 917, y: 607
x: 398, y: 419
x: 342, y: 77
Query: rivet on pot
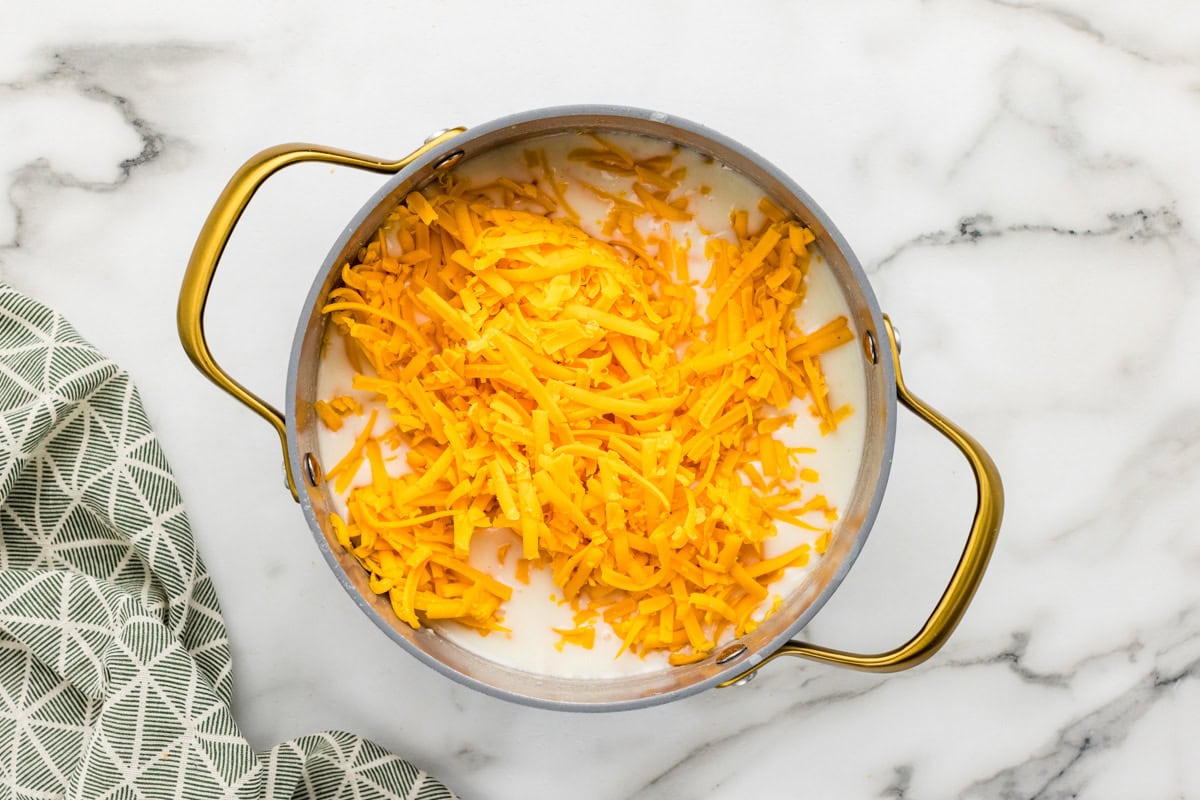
x: 869, y: 346
x: 730, y: 653
x: 312, y: 470
x: 449, y: 161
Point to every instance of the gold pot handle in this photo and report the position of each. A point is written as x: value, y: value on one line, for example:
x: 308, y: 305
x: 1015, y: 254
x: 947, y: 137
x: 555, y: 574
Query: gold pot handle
x: 967, y: 575
x: 210, y: 244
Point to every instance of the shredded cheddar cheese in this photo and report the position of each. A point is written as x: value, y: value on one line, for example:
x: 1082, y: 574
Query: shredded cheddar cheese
x: 333, y: 412
x: 575, y: 390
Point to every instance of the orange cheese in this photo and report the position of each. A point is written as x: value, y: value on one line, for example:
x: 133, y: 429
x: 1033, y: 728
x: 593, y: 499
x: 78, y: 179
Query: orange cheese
x: 564, y: 387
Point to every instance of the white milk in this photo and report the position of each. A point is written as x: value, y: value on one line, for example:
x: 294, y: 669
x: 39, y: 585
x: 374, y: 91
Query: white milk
x: 535, y: 609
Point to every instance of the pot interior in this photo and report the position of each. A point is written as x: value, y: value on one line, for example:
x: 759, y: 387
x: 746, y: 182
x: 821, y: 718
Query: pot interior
x: 799, y: 606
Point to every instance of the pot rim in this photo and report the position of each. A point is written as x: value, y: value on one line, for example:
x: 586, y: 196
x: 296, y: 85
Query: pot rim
x: 666, y: 122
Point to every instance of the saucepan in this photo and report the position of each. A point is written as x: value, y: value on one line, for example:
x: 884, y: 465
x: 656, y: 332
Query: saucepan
x: 733, y: 662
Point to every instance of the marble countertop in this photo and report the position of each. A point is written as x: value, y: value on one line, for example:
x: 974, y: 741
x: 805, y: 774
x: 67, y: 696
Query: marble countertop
x: 1021, y: 181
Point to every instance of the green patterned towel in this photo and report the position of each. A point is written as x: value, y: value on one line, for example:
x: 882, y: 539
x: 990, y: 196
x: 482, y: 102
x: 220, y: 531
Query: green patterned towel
x: 114, y: 663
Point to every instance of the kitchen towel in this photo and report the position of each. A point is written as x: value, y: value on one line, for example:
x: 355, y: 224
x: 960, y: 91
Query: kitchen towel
x: 115, y: 673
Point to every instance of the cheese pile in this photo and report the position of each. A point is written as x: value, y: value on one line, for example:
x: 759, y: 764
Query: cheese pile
x: 572, y: 389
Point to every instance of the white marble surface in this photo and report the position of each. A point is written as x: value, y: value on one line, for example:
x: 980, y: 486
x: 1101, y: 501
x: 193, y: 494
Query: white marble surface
x: 1021, y: 180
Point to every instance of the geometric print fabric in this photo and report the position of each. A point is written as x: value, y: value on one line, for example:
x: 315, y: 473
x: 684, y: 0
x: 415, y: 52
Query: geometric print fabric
x: 115, y: 673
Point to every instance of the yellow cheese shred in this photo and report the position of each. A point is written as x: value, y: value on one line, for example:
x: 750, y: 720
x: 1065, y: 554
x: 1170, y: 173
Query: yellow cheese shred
x: 564, y: 387
x: 333, y: 412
